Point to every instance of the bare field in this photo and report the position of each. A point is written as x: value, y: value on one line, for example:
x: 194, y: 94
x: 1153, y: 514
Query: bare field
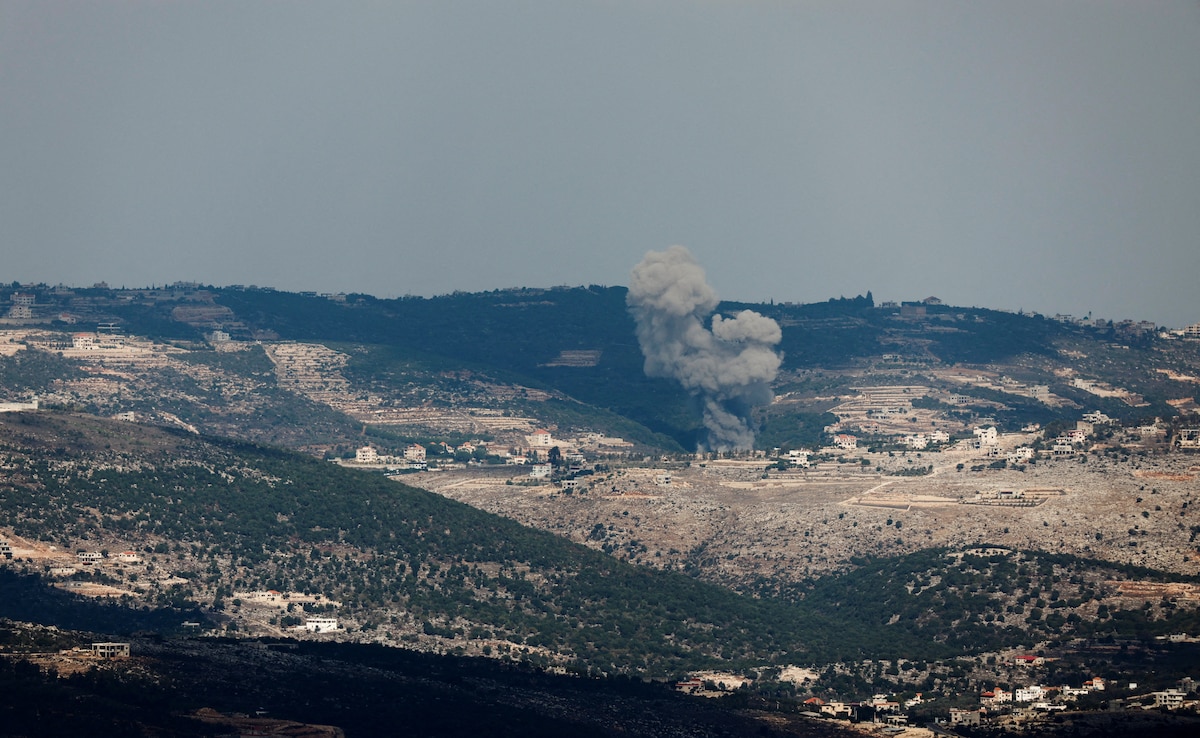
x: 729, y: 524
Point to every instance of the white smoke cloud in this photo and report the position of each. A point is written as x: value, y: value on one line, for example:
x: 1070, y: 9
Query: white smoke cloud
x: 729, y: 367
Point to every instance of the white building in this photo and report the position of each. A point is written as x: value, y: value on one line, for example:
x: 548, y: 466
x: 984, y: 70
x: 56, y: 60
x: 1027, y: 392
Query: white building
x: 798, y: 457
x: 987, y: 436
x: 938, y: 436
x: 1021, y: 454
x: 414, y: 452
x: 539, y: 471
x: 1029, y: 694
x: 366, y: 455
x: 917, y: 441
x: 1170, y: 699
x: 321, y: 625
x: 540, y: 438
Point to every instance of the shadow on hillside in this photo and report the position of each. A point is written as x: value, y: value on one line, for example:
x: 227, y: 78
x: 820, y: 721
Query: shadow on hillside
x: 29, y: 598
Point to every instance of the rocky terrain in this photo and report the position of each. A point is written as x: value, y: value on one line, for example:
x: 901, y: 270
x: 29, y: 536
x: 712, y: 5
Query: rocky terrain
x: 737, y: 522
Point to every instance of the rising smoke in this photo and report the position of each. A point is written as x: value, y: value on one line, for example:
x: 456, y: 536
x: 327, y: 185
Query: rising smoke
x: 728, y: 367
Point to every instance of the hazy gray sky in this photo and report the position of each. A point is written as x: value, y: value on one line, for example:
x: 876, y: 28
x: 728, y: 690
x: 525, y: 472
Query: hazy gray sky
x: 1037, y: 155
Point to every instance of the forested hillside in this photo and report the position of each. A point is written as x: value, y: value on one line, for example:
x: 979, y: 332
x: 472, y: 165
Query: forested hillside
x: 215, y: 519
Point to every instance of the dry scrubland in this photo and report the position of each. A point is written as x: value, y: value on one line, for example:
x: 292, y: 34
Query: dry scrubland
x: 724, y: 519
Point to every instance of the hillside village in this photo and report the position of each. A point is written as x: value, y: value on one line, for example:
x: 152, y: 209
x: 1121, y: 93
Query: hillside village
x: 783, y: 516
x: 910, y: 454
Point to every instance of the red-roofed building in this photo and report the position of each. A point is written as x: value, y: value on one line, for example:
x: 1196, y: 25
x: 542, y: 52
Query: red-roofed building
x: 845, y: 441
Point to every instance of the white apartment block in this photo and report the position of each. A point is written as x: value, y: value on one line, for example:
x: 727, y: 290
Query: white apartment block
x: 1020, y: 454
x: 797, y: 457
x: 987, y: 436
x: 1170, y: 699
x: 540, y: 438
x: 321, y: 625
x: 1029, y: 694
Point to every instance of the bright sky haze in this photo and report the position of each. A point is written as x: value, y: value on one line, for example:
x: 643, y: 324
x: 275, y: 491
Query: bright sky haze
x: 1018, y: 155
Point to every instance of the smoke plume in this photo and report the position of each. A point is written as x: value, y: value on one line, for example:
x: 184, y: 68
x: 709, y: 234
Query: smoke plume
x: 728, y: 367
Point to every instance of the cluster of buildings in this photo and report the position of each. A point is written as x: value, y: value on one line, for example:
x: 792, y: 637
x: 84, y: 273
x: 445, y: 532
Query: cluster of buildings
x: 919, y: 441
x: 880, y: 708
x: 1039, y: 699
x: 534, y: 453
x: 413, y: 457
x: 1027, y: 700
x: 987, y: 439
x: 90, y: 558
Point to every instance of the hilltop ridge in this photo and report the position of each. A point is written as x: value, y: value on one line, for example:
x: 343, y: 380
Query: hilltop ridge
x: 310, y: 371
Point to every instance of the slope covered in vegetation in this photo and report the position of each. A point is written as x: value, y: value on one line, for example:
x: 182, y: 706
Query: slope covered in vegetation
x: 217, y: 518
